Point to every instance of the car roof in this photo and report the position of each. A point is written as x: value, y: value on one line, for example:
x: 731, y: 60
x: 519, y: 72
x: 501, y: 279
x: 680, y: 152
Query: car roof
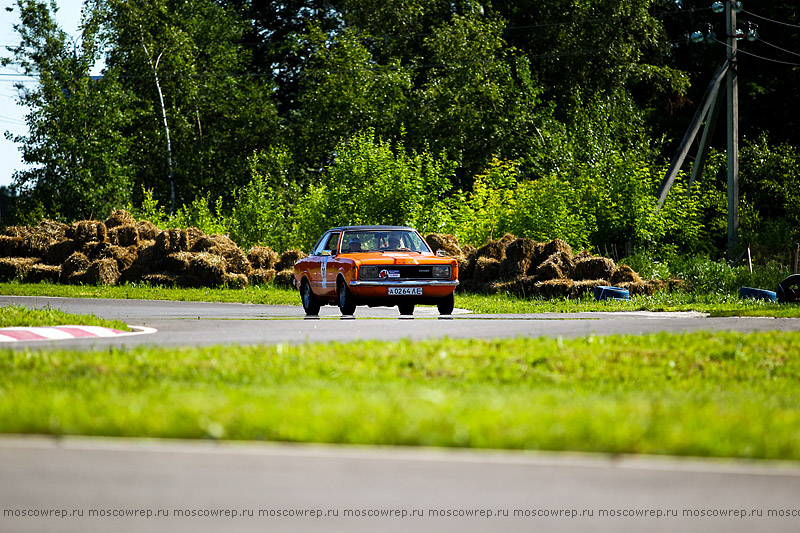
x: 370, y: 228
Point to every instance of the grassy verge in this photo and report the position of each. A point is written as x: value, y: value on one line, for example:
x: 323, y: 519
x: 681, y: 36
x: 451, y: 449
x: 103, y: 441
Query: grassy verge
x: 12, y: 316
x: 717, y: 304
x: 700, y: 394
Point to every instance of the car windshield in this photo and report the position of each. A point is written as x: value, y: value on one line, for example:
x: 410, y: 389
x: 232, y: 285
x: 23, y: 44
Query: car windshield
x: 383, y: 241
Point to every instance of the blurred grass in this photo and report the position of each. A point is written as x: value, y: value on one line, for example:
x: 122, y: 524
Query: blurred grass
x: 699, y: 394
x: 12, y: 316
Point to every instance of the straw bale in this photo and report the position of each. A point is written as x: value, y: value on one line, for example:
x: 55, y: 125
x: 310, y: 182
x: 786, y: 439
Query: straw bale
x: 468, y: 251
x: 149, y: 259
x: 88, y: 231
x: 623, y: 274
x: 514, y: 268
x: 178, y: 263
x: 233, y: 280
x: 510, y: 287
x: 102, y: 272
x: 648, y: 287
x: 12, y: 268
x: 187, y: 281
x: 10, y: 245
x: 171, y: 241
x: 521, y: 249
x: 237, y: 262
x: 160, y: 279
x: 208, y: 268
x: 594, y: 268
x: 39, y: 273
x: 59, y: 252
x: 557, y: 246
x: 192, y: 236
x: 463, y: 268
x: 554, y: 288
x: 124, y: 235
x: 446, y: 242
x: 147, y: 230
x: 486, y: 269
x: 119, y: 217
x: 493, y: 250
x: 288, y: 259
x: 262, y: 257
x: 284, y: 278
x: 558, y: 265
x: 474, y: 286
x: 262, y: 276
x: 92, y: 250
x: 16, y: 231
x: 586, y: 286
x: 124, y: 257
x: 77, y: 262
x: 74, y: 278
x: 674, y: 284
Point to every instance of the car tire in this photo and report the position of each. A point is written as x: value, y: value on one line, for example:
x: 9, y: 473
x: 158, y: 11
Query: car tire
x: 787, y: 293
x: 447, y: 304
x: 345, y: 298
x: 310, y: 303
x: 406, y: 309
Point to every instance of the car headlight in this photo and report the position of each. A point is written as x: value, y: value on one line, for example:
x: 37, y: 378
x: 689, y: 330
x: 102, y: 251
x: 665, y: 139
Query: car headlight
x: 441, y: 271
x: 367, y: 272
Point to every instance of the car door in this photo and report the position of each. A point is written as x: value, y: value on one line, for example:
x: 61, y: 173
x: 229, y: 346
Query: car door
x: 328, y: 268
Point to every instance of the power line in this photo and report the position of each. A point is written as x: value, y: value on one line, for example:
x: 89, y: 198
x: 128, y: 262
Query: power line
x: 778, y: 47
x: 771, y: 20
x: 740, y: 51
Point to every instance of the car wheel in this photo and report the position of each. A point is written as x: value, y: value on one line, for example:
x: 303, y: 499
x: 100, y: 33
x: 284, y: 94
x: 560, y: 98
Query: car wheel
x: 406, y: 309
x: 788, y: 291
x: 310, y: 303
x: 347, y: 303
x: 447, y: 304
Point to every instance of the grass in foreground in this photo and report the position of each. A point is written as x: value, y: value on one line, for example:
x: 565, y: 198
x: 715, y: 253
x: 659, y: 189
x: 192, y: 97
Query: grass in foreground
x: 700, y: 394
x: 13, y: 316
x: 717, y: 304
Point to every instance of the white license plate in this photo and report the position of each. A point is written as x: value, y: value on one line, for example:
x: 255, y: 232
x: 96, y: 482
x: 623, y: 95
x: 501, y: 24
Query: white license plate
x: 405, y: 291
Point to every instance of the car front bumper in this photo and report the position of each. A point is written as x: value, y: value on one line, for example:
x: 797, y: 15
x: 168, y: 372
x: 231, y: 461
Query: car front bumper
x: 406, y: 283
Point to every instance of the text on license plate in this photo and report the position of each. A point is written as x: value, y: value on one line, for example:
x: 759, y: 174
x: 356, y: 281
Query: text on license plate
x: 405, y: 291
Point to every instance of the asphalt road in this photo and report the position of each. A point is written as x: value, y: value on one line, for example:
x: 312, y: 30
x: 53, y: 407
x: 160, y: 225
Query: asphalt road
x: 196, y: 324
x: 358, y: 489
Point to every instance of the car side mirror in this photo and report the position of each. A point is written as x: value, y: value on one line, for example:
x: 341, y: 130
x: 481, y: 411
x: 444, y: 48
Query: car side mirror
x: 441, y: 253
x: 325, y: 253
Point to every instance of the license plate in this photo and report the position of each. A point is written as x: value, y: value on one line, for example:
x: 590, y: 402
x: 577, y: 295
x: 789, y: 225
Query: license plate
x: 405, y: 291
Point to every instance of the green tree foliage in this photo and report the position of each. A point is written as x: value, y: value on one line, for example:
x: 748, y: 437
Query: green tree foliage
x: 76, y: 145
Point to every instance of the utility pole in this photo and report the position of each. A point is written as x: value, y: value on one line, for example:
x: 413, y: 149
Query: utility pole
x: 733, y: 129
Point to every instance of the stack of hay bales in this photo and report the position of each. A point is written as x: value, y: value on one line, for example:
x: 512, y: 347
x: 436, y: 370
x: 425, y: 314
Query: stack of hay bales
x: 122, y: 249
x: 528, y: 268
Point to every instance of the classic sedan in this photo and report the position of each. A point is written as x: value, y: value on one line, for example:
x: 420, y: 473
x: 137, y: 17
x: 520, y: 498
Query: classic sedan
x: 375, y: 266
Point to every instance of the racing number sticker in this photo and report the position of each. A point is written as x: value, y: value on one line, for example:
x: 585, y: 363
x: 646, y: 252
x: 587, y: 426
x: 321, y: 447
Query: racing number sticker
x: 323, y: 270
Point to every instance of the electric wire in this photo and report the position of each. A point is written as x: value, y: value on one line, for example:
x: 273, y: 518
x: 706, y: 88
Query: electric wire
x: 745, y: 52
x: 771, y: 20
x: 778, y: 47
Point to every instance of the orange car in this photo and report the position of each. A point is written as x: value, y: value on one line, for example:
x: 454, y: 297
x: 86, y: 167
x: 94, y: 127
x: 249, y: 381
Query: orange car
x: 375, y: 265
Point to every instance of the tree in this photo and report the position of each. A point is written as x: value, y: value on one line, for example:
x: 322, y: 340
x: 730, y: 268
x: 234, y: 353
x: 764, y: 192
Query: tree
x: 76, y: 142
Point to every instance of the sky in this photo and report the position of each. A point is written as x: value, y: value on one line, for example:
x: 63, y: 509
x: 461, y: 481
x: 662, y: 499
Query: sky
x: 12, y: 116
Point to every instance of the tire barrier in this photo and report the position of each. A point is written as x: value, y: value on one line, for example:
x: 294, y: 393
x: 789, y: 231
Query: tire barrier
x: 757, y: 294
x: 611, y: 293
x: 789, y: 289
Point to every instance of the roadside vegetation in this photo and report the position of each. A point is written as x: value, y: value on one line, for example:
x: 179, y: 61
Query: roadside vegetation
x: 698, y: 394
x: 13, y: 315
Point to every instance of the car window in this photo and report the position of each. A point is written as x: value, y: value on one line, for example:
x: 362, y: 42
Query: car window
x: 383, y: 240
x: 328, y: 243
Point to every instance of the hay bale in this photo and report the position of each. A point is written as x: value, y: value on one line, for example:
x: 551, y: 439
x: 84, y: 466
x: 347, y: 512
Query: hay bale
x: 261, y: 276
x: 93, y: 250
x: 10, y: 245
x: 474, y: 286
x: 233, y: 280
x: 160, y: 279
x: 39, y: 273
x: 487, y: 269
x: 647, y: 287
x: 59, y: 252
x: 468, y: 251
x: 237, y: 262
x: 593, y: 268
x: 178, y: 263
x: 284, y: 278
x: 77, y: 262
x: 208, y: 268
x: 624, y: 274
x: 124, y: 257
x: 464, y: 271
x: 75, y: 278
x: 124, y: 235
x: 102, y: 272
x: 554, y: 288
x: 119, y: 217
x: 262, y: 257
x: 558, y: 265
x: 492, y: 250
x: 88, y: 231
x: 171, y: 241
x: 288, y: 259
x: 192, y: 236
x: 446, y: 242
x: 150, y: 259
x: 147, y: 230
x: 12, y: 268
x: 582, y: 287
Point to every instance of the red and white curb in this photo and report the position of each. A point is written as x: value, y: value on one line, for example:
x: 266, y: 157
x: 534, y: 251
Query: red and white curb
x: 53, y: 333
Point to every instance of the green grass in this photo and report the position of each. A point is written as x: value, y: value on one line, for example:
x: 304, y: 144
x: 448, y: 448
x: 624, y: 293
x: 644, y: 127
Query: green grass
x: 13, y: 316
x: 717, y: 304
x: 698, y: 394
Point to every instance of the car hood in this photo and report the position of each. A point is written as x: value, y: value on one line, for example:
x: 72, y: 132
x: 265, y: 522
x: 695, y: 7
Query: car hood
x: 397, y: 258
